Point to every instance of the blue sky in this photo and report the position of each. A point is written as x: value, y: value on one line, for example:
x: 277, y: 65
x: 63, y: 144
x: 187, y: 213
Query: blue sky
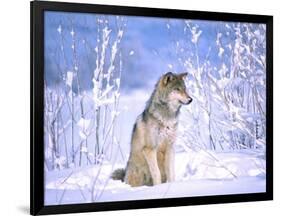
x: 153, y: 45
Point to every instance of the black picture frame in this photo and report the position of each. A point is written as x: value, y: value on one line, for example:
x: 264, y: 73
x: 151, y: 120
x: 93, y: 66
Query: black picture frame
x: 37, y: 105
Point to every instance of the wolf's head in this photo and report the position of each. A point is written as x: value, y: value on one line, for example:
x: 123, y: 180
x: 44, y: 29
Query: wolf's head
x: 173, y: 89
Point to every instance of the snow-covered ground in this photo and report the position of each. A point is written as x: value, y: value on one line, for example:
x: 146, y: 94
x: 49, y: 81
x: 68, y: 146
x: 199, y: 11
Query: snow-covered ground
x: 197, y: 174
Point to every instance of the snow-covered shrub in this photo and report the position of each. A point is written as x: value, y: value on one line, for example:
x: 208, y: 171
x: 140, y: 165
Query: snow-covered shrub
x: 71, y: 108
x: 228, y: 110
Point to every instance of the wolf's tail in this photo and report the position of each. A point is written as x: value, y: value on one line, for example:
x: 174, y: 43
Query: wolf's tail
x: 118, y: 174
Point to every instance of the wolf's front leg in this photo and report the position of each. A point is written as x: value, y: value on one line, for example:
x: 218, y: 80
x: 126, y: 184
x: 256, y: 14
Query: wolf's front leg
x: 150, y: 156
x: 170, y: 163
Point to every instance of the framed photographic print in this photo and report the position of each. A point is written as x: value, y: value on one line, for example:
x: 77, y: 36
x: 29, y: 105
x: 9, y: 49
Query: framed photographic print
x: 141, y: 107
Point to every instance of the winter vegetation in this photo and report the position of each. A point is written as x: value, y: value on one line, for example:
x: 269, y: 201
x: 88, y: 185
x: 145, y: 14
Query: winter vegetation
x: 99, y: 72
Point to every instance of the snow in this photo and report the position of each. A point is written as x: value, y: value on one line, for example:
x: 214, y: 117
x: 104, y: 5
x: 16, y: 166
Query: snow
x: 167, y: 190
x: 221, y: 51
x: 120, y: 34
x: 59, y: 29
x: 84, y: 123
x: 117, y: 81
x: 101, y: 99
x: 114, y: 114
x: 106, y: 32
x: 168, y: 26
x: 195, y: 34
x: 84, y: 149
x: 204, y: 177
x: 69, y: 78
x: 72, y: 33
x: 82, y: 135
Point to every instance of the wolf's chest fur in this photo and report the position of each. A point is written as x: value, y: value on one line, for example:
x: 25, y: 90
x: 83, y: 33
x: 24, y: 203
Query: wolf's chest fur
x: 162, y: 131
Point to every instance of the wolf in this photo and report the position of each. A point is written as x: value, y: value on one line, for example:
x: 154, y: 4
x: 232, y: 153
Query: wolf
x: 151, y: 159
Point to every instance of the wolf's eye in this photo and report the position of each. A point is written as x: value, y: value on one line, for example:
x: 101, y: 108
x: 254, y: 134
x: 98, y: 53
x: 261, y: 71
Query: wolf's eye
x: 177, y: 89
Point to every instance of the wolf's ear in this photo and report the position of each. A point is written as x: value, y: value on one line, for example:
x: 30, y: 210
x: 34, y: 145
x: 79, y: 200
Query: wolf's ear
x: 183, y: 75
x: 168, y: 77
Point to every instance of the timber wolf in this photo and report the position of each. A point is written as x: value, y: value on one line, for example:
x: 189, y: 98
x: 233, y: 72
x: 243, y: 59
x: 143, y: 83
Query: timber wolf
x: 151, y: 159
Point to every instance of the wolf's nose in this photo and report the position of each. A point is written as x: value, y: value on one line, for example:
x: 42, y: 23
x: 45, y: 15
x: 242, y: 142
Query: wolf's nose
x: 189, y: 100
